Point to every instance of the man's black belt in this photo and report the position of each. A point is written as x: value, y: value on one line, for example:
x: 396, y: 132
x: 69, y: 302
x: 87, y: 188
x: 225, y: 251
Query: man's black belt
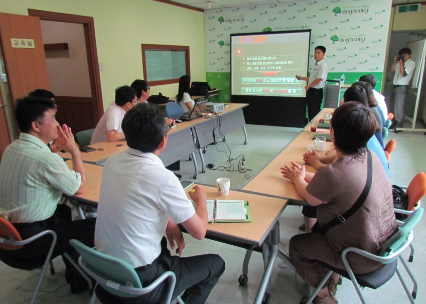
x: 400, y: 85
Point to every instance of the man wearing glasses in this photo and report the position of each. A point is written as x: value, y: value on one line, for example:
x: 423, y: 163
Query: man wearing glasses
x: 142, y: 90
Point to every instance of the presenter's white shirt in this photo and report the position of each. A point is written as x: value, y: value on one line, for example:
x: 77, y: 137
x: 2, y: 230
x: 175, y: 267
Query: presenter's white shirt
x: 138, y: 195
x: 186, y: 98
x: 319, y: 70
x: 111, y: 120
x: 409, y: 67
x: 381, y: 103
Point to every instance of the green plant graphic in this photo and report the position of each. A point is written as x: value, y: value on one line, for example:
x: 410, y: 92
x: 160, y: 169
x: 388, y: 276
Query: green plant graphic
x: 221, y: 19
x: 337, y: 10
x: 221, y: 43
x: 267, y: 30
x: 334, y: 38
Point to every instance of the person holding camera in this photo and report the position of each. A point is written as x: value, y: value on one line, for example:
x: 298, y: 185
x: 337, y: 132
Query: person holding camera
x: 404, y: 68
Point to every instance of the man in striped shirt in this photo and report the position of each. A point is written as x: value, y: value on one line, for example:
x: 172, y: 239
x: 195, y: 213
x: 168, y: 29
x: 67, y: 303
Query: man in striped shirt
x: 32, y: 181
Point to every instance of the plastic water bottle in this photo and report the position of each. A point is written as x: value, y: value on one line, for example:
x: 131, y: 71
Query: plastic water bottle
x: 342, y: 80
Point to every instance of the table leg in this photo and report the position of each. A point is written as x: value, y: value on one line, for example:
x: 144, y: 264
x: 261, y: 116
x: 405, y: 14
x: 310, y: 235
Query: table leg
x: 245, y: 135
x: 203, y: 164
x: 197, y: 145
x: 243, y: 279
x: 273, y: 244
x: 195, y: 165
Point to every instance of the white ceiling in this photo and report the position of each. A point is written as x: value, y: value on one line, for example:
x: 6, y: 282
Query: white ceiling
x: 203, y: 4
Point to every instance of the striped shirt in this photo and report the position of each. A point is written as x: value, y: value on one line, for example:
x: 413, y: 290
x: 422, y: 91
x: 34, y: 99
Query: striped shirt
x: 32, y: 180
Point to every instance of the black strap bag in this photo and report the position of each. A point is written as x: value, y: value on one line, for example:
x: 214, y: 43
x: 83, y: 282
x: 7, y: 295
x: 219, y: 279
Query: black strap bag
x: 341, y: 218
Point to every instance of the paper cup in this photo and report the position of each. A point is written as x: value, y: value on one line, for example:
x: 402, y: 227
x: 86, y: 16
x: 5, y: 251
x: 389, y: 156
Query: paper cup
x: 223, y: 184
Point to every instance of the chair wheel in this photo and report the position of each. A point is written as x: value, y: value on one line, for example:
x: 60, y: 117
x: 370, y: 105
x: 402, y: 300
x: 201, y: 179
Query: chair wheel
x: 266, y: 298
x: 243, y: 280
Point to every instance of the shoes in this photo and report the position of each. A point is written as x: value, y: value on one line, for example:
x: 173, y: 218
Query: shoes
x: 325, y: 300
x: 302, y: 227
x: 393, y: 125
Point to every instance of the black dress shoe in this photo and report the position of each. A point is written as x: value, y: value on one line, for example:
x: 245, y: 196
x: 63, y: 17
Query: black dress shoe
x: 393, y: 125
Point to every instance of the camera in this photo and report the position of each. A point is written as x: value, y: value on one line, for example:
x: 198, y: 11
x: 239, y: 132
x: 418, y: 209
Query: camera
x: 400, y: 57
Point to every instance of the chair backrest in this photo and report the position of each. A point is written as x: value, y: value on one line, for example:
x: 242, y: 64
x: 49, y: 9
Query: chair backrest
x: 109, y: 268
x: 388, y: 157
x: 173, y: 110
x: 388, y: 123
x: 385, y: 132
x: 416, y: 190
x: 390, y: 146
x: 332, y: 95
x: 400, y: 237
x: 9, y: 232
x: 83, y: 138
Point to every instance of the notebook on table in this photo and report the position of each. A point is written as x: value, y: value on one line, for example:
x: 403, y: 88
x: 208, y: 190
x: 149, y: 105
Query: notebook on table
x: 228, y: 211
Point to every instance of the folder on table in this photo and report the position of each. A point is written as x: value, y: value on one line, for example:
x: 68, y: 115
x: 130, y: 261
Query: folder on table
x: 228, y: 211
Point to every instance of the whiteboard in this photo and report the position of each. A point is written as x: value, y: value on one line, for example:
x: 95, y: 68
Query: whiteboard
x: 417, y: 55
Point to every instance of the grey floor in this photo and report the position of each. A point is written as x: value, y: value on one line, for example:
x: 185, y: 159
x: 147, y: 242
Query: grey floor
x: 264, y: 143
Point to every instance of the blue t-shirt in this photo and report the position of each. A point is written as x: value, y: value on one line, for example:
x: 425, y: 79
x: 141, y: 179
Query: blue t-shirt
x: 374, y: 145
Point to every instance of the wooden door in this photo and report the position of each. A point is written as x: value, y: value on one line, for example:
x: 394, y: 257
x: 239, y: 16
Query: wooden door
x: 4, y: 133
x: 25, y: 67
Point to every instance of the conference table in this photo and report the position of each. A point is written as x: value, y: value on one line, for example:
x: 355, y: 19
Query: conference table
x: 184, y: 139
x: 269, y: 180
x: 262, y: 232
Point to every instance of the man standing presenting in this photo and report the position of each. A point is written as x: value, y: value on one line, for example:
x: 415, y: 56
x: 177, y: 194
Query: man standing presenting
x: 32, y: 181
x: 404, y: 68
x: 109, y: 126
x: 316, y: 82
x: 145, y: 201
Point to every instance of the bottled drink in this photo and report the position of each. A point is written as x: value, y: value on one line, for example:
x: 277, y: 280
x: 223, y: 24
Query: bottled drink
x: 342, y: 80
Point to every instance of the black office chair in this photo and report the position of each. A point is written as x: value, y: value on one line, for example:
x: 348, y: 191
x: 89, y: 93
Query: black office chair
x: 83, y: 138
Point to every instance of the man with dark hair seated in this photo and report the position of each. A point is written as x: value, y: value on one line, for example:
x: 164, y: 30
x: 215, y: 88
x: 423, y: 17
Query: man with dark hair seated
x: 146, y: 202
x: 109, y: 126
x: 142, y: 90
x: 32, y: 181
x: 42, y: 93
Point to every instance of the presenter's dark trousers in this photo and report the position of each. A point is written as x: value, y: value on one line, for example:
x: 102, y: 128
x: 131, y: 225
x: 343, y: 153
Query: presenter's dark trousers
x: 66, y: 229
x: 314, y: 100
x: 195, y: 276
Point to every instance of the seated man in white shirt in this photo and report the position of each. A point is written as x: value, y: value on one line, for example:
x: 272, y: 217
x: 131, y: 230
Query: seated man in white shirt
x: 377, y: 96
x: 32, y: 181
x: 145, y: 202
x: 109, y: 126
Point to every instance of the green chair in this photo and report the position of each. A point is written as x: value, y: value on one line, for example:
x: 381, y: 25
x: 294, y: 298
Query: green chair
x: 83, y: 138
x: 389, y: 255
x: 117, y: 277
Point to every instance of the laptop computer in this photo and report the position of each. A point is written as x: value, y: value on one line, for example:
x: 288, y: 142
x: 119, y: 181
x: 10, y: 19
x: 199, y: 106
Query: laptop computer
x: 197, y: 111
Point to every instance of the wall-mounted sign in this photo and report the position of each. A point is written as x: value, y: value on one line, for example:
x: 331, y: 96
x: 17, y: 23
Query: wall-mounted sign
x: 22, y: 43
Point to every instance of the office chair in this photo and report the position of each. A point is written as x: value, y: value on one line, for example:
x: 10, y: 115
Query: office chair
x: 83, y: 138
x: 10, y: 240
x: 388, y: 256
x: 174, y: 110
x: 116, y: 278
x: 332, y: 94
x: 415, y: 192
